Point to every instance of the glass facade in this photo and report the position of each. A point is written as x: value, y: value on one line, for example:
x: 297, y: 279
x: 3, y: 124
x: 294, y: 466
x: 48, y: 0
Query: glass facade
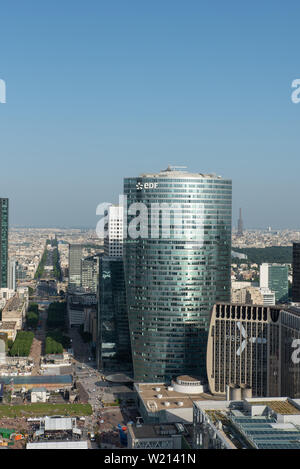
x: 3, y: 242
x: 113, y: 332
x: 278, y: 282
x: 172, y: 278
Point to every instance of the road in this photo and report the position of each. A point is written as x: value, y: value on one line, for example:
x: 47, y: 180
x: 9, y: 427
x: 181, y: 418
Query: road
x: 37, y: 348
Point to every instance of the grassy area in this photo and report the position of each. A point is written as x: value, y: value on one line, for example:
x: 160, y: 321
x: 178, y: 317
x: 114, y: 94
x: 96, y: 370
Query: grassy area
x: 280, y: 254
x: 40, y: 410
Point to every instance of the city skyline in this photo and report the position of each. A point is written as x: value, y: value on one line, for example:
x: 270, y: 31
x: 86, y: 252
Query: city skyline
x: 140, y: 86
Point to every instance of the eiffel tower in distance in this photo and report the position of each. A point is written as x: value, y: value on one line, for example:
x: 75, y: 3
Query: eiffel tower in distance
x: 240, y: 230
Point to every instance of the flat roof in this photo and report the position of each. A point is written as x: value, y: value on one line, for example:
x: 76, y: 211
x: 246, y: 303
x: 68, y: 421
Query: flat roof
x: 58, y: 445
x: 266, y: 433
x: 147, y: 392
x: 176, y: 172
x: 154, y: 431
x: 52, y: 379
x: 283, y: 407
x: 60, y: 423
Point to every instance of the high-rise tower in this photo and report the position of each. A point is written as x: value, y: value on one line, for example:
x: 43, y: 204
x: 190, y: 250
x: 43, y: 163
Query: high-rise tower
x: 240, y: 225
x: 75, y: 257
x: 177, y: 265
x: 3, y: 242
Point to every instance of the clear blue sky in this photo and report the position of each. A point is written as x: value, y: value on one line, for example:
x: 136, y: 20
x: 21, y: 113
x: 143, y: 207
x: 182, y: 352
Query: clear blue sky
x: 99, y: 90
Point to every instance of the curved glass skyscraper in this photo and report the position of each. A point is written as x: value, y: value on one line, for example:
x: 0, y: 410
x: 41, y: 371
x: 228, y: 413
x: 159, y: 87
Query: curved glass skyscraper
x: 177, y: 256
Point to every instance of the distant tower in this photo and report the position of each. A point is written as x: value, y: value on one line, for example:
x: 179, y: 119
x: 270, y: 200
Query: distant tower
x: 240, y: 225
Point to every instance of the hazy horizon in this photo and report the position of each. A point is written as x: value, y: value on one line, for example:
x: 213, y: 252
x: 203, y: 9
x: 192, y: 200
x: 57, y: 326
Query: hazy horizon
x: 100, y: 91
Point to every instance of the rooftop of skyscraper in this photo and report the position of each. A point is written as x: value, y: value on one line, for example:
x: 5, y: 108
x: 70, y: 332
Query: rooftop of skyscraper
x: 178, y: 171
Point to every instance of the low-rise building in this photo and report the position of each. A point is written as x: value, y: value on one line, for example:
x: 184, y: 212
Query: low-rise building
x: 162, y: 403
x: 166, y: 436
x: 38, y: 395
x: 15, y: 310
x: 9, y: 328
x: 266, y: 423
x: 58, y: 445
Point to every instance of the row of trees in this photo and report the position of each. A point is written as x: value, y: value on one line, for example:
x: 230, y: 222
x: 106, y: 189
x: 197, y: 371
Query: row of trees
x: 32, y: 316
x: 271, y: 254
x: 56, y: 265
x: 57, y: 315
x: 52, y: 346
x: 22, y: 344
x: 56, y: 340
x: 40, y: 270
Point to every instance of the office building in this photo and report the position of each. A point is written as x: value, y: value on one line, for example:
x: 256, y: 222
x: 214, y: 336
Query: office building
x: 3, y: 242
x: 296, y: 273
x: 254, y: 349
x: 252, y: 296
x: 80, y: 305
x: 243, y: 349
x: 162, y: 436
x: 75, y: 256
x: 15, y: 310
x: 113, y: 242
x: 290, y: 352
x: 113, y: 344
x: 268, y: 297
x: 89, y: 273
x: 176, y: 266
x: 275, y: 277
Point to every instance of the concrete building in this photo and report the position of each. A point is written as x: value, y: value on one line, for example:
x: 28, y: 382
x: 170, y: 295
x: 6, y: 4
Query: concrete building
x: 161, y: 436
x: 290, y: 351
x: 39, y: 395
x: 89, y: 274
x: 15, y: 311
x: 243, y: 349
x: 75, y: 256
x: 9, y: 328
x: 163, y: 403
x: 254, y: 347
x: 253, y: 296
x: 5, y: 295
